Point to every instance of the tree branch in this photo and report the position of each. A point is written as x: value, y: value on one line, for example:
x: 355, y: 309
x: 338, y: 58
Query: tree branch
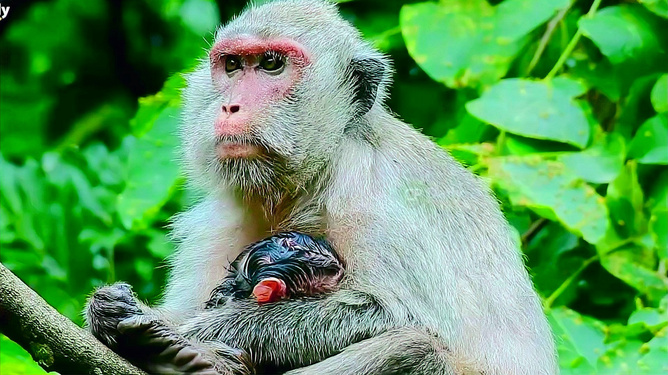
x: 55, y: 342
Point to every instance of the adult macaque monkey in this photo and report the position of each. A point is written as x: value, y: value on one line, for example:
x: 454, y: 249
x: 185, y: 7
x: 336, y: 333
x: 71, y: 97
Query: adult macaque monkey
x: 286, y: 129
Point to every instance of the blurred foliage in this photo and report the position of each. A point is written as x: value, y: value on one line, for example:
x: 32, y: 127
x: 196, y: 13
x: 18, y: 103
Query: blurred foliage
x: 561, y: 105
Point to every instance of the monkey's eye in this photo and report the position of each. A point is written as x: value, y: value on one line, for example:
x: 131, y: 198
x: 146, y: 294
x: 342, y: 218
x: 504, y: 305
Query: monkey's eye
x: 232, y: 63
x: 272, y: 62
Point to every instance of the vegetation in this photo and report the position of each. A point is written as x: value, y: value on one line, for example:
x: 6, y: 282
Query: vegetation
x: 561, y: 105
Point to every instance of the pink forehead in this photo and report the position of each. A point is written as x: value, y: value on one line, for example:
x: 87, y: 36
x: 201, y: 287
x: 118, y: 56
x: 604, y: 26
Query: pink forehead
x: 255, y: 46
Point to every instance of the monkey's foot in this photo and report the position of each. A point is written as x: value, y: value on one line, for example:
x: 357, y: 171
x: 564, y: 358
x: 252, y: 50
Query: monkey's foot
x: 157, y: 348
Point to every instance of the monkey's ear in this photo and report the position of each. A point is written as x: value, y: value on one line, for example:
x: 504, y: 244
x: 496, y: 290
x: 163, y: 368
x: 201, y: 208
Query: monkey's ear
x: 367, y: 75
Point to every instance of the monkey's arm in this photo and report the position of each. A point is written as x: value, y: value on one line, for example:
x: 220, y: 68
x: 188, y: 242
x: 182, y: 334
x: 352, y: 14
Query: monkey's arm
x: 292, y: 333
x: 141, y: 335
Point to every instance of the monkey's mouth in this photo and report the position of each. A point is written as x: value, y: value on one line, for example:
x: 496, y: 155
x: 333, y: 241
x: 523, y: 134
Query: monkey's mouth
x: 238, y: 148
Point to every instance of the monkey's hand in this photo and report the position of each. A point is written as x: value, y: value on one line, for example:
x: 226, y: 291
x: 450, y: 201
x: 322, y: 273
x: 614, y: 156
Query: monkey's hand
x: 106, y: 308
x: 120, y: 321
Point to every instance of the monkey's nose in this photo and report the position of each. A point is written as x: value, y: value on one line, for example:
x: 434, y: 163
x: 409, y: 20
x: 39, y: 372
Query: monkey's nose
x: 232, y: 108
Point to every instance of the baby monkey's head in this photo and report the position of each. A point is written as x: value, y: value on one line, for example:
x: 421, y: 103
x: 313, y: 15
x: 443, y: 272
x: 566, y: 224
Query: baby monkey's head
x: 285, y: 265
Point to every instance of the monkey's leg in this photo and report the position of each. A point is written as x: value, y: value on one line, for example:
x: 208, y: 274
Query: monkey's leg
x: 137, y: 333
x: 301, y: 332
x: 398, y: 351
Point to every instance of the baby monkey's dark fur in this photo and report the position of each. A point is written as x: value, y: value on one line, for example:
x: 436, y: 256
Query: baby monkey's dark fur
x: 308, y: 266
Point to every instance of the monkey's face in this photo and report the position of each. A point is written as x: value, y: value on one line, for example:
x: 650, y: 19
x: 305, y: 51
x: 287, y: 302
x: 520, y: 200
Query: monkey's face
x: 254, y: 80
x: 282, y: 85
x: 257, y: 131
x: 253, y: 76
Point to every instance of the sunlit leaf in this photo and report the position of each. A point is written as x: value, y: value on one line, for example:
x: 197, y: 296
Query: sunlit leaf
x: 601, y: 162
x: 15, y: 360
x: 658, y: 193
x: 552, y: 190
x: 651, y: 141
x: 150, y: 107
x: 537, y: 109
x: 631, y: 264
x: 659, y: 94
x: 159, y: 245
x: 625, y: 200
x: 481, y: 41
x: 659, y: 7
x: 658, y: 228
x: 650, y: 317
x: 201, y: 16
x: 654, y: 360
x: 622, y: 32
x: 154, y: 170
x: 621, y: 358
x: 581, y: 339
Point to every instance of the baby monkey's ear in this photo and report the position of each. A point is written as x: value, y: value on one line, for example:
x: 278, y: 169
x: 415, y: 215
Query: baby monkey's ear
x: 270, y: 289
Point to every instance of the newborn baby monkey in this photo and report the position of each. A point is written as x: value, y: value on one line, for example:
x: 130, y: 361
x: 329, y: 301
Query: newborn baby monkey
x: 285, y: 265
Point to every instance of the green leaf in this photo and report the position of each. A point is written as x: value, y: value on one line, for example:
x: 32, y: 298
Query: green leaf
x: 200, y: 16
x: 658, y: 7
x: 553, y: 191
x: 154, y: 171
x: 631, y: 264
x: 601, y: 162
x: 648, y: 316
x: 551, y: 260
x: 654, y: 361
x: 15, y: 360
x: 536, y: 109
x: 159, y: 246
x: 468, y: 42
x: 150, y: 107
x: 635, y: 107
x: 61, y: 173
x: 625, y: 201
x: 144, y: 268
x: 580, y: 338
x: 25, y: 111
x: 658, y: 228
x: 650, y: 143
x: 621, y: 358
x: 622, y: 33
x: 658, y: 196
x: 106, y: 166
x: 659, y: 94
x: 601, y: 76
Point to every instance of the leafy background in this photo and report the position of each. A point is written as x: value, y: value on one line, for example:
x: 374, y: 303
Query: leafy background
x: 561, y: 105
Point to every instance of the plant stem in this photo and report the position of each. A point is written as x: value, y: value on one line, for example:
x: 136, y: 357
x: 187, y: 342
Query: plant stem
x: 550, y: 300
x: 500, y: 140
x: 533, y: 229
x: 571, y: 45
x: 549, y: 31
x: 386, y: 34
